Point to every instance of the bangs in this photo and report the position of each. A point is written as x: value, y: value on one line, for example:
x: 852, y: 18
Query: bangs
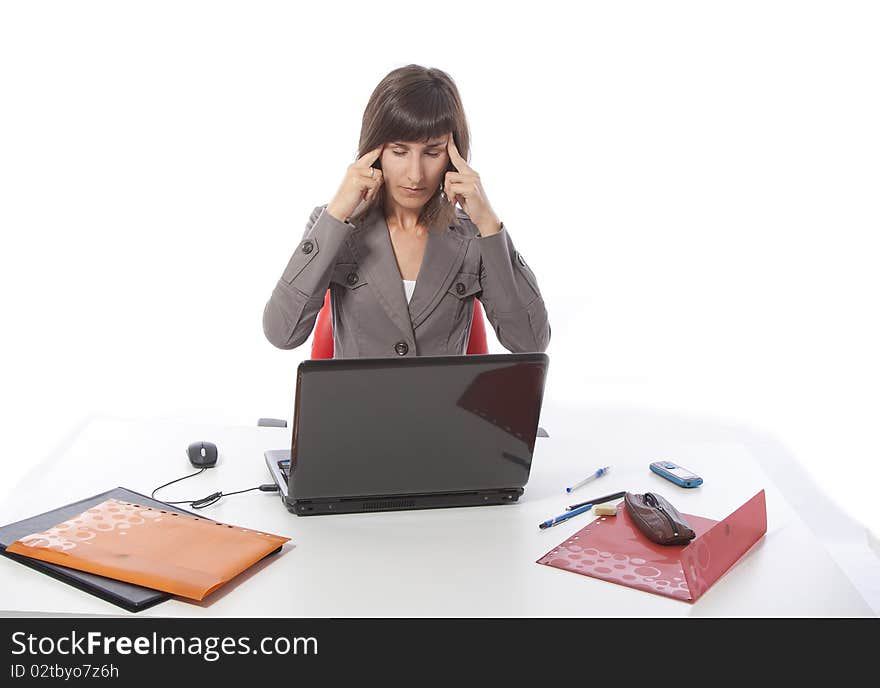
x: 420, y: 114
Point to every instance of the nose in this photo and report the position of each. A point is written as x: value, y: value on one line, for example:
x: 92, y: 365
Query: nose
x: 414, y: 173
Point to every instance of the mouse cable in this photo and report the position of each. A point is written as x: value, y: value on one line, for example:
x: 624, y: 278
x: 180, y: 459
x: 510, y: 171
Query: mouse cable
x: 212, y: 498
x: 177, y: 480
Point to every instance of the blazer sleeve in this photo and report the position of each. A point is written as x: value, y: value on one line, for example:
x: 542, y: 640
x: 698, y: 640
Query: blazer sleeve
x: 290, y: 313
x: 510, y: 295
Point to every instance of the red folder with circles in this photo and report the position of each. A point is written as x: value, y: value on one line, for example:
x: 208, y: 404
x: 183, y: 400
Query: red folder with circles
x: 613, y: 549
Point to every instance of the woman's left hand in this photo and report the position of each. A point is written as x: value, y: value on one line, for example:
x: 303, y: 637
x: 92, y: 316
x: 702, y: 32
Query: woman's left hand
x: 464, y: 187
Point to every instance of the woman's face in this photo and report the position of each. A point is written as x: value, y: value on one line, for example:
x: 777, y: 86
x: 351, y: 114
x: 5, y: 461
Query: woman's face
x: 410, y: 165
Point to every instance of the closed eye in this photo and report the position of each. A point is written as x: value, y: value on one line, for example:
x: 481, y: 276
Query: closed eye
x: 430, y: 155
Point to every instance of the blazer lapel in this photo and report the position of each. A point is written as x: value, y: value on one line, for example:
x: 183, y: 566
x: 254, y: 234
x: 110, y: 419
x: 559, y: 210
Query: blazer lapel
x: 444, y: 254
x: 371, y: 245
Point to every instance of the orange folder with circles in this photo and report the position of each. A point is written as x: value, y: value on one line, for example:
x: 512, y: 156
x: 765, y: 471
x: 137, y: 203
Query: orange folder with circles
x: 164, y: 550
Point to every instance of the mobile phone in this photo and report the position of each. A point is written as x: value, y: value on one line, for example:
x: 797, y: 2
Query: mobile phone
x: 674, y: 473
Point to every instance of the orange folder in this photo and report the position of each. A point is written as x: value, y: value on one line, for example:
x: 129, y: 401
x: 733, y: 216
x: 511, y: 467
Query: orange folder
x: 176, y: 553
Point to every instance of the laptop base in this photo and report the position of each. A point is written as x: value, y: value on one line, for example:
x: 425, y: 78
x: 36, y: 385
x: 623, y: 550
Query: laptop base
x: 360, y: 505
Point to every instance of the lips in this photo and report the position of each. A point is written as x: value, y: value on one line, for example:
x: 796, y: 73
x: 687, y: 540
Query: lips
x: 408, y: 188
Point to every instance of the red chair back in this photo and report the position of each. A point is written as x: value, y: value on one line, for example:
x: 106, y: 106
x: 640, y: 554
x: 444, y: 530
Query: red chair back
x: 322, y: 344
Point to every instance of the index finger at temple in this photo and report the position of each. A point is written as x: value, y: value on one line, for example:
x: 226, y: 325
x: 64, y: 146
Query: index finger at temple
x: 370, y: 157
x: 459, y: 161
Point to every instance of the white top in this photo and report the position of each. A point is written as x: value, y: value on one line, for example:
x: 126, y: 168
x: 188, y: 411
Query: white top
x: 409, y: 286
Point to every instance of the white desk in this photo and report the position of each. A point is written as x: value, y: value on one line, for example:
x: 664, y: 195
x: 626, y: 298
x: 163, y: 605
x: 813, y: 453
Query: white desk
x: 467, y: 562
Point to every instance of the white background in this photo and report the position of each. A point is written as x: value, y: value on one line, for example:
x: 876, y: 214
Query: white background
x: 695, y: 185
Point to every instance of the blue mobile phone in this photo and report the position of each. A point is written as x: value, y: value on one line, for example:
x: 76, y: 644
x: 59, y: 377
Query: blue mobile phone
x: 677, y: 474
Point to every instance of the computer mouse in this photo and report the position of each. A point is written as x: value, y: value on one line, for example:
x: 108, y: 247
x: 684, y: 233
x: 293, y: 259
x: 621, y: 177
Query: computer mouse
x: 202, y: 454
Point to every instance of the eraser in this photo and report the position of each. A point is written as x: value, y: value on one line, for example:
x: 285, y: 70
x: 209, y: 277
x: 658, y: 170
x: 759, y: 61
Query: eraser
x: 606, y: 509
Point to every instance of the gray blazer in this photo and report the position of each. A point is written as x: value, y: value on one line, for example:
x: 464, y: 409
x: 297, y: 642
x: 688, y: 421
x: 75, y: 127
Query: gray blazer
x: 371, y: 317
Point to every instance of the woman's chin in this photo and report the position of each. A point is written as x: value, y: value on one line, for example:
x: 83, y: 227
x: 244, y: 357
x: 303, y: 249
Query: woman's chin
x: 410, y: 201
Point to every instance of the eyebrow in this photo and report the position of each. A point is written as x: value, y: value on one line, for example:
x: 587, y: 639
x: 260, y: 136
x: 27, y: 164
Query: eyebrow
x: 430, y: 145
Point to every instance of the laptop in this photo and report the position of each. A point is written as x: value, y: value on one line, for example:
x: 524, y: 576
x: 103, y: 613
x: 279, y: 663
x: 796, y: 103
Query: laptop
x: 384, y: 434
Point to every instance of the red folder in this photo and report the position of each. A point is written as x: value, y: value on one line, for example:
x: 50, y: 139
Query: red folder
x: 614, y: 549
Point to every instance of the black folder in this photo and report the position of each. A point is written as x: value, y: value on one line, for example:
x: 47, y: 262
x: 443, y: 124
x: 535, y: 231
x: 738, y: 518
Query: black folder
x: 130, y: 597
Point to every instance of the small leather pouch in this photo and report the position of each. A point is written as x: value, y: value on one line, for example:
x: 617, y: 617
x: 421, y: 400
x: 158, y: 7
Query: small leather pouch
x: 658, y: 519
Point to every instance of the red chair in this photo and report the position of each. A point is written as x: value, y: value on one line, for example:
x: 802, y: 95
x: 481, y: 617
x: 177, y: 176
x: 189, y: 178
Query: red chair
x: 322, y: 344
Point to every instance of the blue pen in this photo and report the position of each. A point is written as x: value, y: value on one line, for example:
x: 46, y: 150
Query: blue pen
x: 598, y: 474
x: 564, y: 517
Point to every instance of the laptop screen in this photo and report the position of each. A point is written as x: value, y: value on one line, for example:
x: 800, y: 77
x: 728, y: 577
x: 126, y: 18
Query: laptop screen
x: 368, y: 427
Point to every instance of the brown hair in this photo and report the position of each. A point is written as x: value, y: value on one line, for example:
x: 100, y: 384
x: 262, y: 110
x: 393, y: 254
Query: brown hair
x: 414, y: 103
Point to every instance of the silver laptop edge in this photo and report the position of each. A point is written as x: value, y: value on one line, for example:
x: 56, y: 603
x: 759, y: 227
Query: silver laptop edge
x: 273, y: 456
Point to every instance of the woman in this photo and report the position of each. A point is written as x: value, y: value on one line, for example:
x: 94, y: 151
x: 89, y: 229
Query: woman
x: 403, y: 264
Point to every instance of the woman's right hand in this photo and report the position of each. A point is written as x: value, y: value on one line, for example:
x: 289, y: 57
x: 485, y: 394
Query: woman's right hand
x: 361, y: 183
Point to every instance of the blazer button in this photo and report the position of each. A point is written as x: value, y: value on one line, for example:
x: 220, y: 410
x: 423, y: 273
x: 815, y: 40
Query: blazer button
x: 460, y: 288
x: 352, y: 278
x: 308, y: 247
x: 401, y: 348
